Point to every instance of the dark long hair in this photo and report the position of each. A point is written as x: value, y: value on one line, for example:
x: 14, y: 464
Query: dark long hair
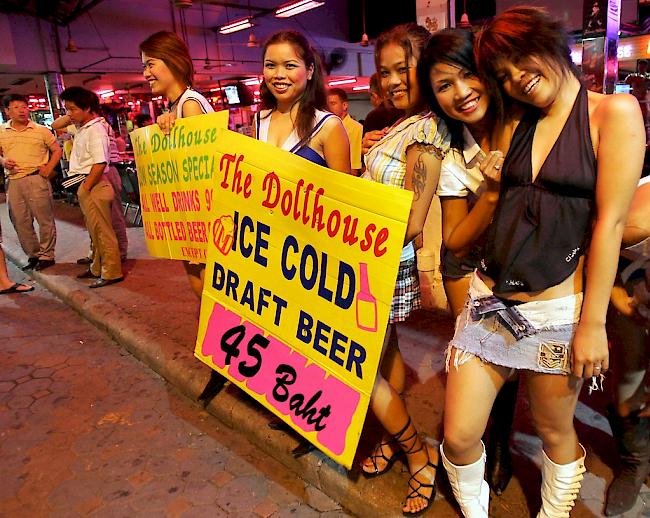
x: 314, y: 97
x: 454, y: 47
x: 410, y: 36
x: 521, y: 32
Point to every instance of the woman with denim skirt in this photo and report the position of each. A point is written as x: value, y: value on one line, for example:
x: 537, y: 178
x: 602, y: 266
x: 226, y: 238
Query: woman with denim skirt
x: 571, y: 169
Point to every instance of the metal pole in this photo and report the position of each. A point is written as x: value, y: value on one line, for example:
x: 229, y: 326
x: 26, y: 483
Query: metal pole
x: 53, y: 87
x: 602, y: 19
x: 611, y: 45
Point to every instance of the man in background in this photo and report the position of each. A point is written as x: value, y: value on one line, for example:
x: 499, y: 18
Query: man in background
x: 29, y: 153
x: 65, y: 125
x: 384, y: 115
x: 338, y: 104
x: 88, y: 162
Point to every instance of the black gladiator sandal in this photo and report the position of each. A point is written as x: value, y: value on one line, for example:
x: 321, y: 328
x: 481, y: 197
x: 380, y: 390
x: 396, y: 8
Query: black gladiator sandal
x: 378, y: 453
x: 212, y: 388
x: 415, y: 485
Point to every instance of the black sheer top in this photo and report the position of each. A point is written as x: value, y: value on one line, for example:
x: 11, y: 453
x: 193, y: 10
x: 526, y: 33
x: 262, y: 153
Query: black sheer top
x: 540, y: 229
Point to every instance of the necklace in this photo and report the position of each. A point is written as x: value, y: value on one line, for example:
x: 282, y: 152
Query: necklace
x: 173, y: 103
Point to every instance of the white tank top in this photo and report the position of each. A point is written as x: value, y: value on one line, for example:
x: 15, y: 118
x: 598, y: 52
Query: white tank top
x: 263, y: 122
x: 195, y: 96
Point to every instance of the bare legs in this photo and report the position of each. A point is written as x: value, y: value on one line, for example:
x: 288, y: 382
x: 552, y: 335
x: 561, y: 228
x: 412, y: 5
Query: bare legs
x: 393, y: 371
x: 390, y: 410
x: 499, y: 460
x: 5, y: 282
x: 471, y: 390
x: 553, y: 400
x: 195, y: 274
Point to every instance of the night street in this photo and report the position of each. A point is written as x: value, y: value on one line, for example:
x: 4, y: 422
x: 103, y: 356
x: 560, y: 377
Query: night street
x: 87, y: 430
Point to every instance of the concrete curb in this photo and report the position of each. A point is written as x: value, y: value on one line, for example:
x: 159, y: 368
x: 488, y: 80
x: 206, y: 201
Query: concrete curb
x: 177, y: 364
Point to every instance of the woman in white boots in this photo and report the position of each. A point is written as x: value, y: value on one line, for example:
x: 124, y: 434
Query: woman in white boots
x: 574, y: 160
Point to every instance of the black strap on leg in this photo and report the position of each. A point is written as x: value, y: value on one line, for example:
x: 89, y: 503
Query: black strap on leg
x: 212, y: 388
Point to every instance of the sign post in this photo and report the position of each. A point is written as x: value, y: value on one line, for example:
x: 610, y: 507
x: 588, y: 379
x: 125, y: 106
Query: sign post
x: 601, y: 23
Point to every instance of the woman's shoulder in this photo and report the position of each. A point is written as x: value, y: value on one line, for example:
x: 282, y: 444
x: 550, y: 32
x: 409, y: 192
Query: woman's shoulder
x: 319, y: 115
x: 612, y: 105
x: 428, y: 129
x: 327, y: 121
x: 614, y: 113
x: 192, y: 96
x: 328, y: 118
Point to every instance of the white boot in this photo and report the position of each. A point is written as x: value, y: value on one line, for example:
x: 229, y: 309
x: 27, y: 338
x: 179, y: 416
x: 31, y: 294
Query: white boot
x: 560, y: 486
x: 470, y: 488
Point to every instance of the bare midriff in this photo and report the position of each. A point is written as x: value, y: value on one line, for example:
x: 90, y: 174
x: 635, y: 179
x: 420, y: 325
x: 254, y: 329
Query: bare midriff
x: 572, y: 285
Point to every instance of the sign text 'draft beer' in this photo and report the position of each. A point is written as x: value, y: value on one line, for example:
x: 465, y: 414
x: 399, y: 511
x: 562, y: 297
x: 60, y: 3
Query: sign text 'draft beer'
x: 300, y: 275
x: 175, y: 176
x: 301, y: 267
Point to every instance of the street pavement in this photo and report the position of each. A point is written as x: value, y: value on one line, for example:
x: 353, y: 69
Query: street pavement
x: 153, y: 314
x: 87, y: 430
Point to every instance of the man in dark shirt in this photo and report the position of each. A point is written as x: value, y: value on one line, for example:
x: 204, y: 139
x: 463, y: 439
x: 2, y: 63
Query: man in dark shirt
x: 384, y: 115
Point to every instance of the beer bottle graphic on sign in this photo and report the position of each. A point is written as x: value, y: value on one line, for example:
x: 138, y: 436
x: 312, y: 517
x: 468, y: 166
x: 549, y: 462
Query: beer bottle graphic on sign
x: 366, y: 303
x: 223, y: 231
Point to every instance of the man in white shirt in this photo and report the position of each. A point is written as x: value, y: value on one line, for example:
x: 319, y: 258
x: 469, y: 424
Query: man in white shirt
x: 29, y: 153
x: 337, y: 103
x: 64, y: 124
x: 88, y: 163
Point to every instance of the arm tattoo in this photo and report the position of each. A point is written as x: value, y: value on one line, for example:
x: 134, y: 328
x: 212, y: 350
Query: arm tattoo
x: 420, y: 169
x: 419, y: 177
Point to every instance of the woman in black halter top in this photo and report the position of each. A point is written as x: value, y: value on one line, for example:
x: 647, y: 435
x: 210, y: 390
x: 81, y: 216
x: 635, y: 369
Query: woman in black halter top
x: 574, y: 161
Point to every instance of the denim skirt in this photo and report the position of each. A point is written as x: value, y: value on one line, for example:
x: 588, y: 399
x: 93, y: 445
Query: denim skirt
x: 533, y: 336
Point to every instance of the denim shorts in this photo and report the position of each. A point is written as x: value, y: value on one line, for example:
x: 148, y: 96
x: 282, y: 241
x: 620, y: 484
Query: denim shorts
x: 533, y: 336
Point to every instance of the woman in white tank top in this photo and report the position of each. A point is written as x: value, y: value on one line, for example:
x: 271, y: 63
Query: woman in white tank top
x: 294, y: 101
x: 167, y: 67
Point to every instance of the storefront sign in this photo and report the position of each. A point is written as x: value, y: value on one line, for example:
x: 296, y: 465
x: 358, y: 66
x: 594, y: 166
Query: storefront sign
x: 176, y: 178
x: 300, y: 276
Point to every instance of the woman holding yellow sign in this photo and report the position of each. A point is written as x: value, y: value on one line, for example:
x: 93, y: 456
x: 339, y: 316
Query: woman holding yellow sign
x: 294, y: 101
x: 409, y: 156
x: 167, y: 67
x: 293, y: 116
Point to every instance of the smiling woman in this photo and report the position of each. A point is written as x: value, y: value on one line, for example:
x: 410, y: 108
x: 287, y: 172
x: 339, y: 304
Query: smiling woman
x: 294, y: 103
x: 167, y: 67
x: 573, y: 163
x: 293, y: 115
x: 408, y: 157
x: 469, y: 191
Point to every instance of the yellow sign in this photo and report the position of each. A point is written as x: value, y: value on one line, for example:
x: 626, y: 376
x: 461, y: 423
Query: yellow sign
x: 300, y: 276
x: 175, y: 175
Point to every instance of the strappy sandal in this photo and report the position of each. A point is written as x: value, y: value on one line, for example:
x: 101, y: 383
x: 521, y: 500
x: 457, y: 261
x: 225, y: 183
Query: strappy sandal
x: 16, y: 289
x: 378, y: 453
x: 415, y: 490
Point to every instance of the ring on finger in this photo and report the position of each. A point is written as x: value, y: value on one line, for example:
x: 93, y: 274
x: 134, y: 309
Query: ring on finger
x: 497, y: 166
